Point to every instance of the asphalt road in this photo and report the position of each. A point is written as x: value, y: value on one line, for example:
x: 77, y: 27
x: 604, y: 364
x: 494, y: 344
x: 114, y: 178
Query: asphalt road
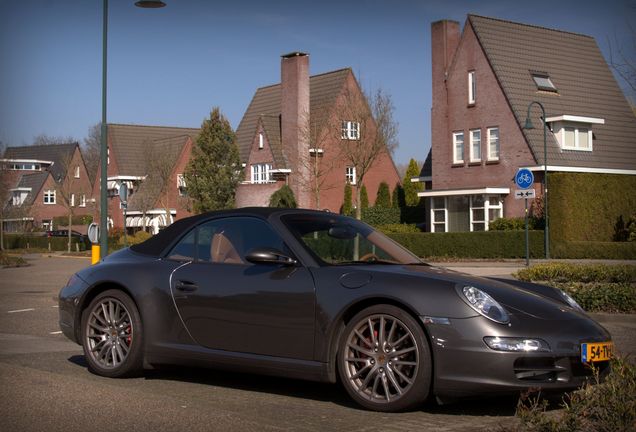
x: 45, y: 385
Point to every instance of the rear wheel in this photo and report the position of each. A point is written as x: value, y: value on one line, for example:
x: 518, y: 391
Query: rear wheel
x: 384, y: 359
x: 112, y: 335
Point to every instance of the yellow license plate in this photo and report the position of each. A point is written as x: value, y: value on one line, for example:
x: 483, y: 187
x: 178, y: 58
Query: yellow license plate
x: 596, y: 352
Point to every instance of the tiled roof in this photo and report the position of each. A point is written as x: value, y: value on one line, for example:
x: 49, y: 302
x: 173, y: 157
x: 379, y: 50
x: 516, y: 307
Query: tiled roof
x: 271, y: 125
x: 133, y: 144
x: 585, y: 84
x: 57, y: 153
x: 427, y: 166
x: 266, y: 102
x: 34, y: 181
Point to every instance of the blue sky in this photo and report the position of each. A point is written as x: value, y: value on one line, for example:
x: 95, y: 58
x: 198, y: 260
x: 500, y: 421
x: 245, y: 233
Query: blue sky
x: 170, y: 66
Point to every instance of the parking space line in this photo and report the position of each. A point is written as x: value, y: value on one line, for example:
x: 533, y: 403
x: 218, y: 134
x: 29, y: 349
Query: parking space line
x: 55, y: 332
x: 55, y: 306
x: 21, y: 310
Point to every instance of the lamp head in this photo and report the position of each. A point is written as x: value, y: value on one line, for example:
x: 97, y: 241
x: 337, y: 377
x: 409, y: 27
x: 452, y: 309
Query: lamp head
x: 528, y: 124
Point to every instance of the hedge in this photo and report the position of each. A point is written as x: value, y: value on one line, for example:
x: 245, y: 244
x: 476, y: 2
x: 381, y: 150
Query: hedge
x: 75, y: 220
x: 381, y: 215
x: 483, y: 244
x: 592, y: 250
x: 13, y: 241
x: 585, y: 207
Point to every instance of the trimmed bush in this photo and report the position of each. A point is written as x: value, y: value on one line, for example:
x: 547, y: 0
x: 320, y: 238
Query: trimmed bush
x: 593, y: 250
x: 347, y: 206
x: 138, y: 237
x: 364, y: 198
x: 283, y: 198
x: 566, y: 272
x: 75, y: 220
x: 383, y: 197
x: 398, y: 228
x: 484, y: 244
x: 511, y: 224
x: 17, y: 241
x: 381, y: 216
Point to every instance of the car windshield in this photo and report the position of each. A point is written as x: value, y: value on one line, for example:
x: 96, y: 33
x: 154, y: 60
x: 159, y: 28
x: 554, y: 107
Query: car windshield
x: 339, y: 240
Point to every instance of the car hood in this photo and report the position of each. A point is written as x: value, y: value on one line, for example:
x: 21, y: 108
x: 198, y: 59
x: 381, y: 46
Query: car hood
x: 517, y: 300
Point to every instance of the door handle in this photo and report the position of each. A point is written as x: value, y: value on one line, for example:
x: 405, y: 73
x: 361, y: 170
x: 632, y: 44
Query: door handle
x: 186, y: 286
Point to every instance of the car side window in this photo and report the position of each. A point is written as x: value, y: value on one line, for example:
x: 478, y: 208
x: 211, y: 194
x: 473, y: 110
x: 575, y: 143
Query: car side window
x: 184, y: 250
x: 228, y: 240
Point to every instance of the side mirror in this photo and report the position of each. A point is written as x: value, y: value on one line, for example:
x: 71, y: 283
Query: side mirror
x: 269, y: 256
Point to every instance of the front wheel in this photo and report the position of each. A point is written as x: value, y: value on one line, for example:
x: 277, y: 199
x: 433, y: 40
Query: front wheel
x: 112, y: 335
x: 384, y: 359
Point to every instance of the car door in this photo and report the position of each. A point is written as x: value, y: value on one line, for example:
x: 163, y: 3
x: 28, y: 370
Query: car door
x: 227, y: 303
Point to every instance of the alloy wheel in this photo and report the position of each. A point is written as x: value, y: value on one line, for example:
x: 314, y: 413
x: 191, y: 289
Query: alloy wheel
x: 109, y: 333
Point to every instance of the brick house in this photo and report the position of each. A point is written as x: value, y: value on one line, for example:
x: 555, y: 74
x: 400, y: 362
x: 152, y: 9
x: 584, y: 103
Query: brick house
x: 43, y: 182
x: 483, y: 81
x: 135, y: 150
x: 291, y: 133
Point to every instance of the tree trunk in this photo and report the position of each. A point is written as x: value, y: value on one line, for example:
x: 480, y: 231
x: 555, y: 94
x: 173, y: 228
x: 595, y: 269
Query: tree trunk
x: 358, y: 206
x: 70, y: 219
x: 1, y: 234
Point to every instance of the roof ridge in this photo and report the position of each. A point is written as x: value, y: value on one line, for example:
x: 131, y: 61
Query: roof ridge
x: 529, y: 25
x: 310, y: 77
x: 71, y: 143
x: 152, y: 126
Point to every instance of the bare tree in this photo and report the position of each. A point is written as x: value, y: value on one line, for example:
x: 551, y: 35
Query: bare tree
x: 368, y: 131
x: 43, y: 139
x: 321, y: 128
x: 623, y: 61
x: 68, y: 190
x: 91, y: 150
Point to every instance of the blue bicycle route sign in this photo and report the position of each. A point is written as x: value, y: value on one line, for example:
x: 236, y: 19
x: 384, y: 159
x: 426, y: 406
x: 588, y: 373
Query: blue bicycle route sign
x: 524, y: 178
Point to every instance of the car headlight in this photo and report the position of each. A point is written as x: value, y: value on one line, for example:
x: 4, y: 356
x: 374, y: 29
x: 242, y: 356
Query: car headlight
x: 485, y: 305
x: 516, y: 344
x: 571, y: 301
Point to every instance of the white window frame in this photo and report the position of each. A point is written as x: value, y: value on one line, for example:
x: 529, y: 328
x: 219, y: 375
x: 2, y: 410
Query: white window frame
x: 472, y: 88
x: 441, y: 210
x: 261, y: 173
x: 82, y: 200
x: 350, y: 130
x: 77, y: 171
x: 49, y: 196
x: 457, y: 159
x: 560, y: 135
x: 47, y: 224
x: 474, y: 221
x: 475, y: 157
x: 350, y: 175
x: 261, y: 140
x: 72, y: 200
x: 493, y: 143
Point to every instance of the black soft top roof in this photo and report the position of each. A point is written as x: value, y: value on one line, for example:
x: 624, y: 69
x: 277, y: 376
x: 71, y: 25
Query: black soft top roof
x: 157, y: 245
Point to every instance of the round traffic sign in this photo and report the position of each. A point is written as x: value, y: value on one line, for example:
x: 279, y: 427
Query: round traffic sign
x: 524, y: 178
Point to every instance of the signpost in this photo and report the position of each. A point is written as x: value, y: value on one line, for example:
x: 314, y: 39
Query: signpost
x: 524, y: 179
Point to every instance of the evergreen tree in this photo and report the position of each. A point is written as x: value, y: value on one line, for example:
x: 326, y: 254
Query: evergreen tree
x: 347, y: 206
x: 397, y: 198
x: 383, y: 198
x: 283, y: 198
x: 364, y: 198
x: 411, y: 189
x: 214, y: 170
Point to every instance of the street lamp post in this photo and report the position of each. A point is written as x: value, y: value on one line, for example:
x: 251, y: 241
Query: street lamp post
x: 103, y: 181
x: 529, y: 125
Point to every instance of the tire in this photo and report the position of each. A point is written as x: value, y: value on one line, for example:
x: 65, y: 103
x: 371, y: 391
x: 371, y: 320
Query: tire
x: 384, y: 360
x: 112, y: 335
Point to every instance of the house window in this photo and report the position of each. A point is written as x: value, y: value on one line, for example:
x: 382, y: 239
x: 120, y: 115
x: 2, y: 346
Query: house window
x: 261, y: 173
x: 573, y: 136
x: 261, y: 143
x: 543, y: 82
x: 493, y: 143
x: 107, y: 155
x: 25, y: 167
x: 19, y: 196
x: 83, y: 201
x: 350, y: 175
x: 77, y: 171
x: 475, y: 145
x: 181, y: 185
x: 477, y: 213
x: 72, y: 200
x: 472, y: 87
x: 458, y: 147
x: 439, y: 214
x: 49, y: 196
x: 494, y: 208
x: 350, y: 130
x: 47, y: 224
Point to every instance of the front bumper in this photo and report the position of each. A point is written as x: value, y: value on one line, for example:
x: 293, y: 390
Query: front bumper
x: 465, y: 366
x: 69, y: 299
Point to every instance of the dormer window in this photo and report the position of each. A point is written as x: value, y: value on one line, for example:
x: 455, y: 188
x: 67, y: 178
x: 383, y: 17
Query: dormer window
x: 472, y: 88
x: 261, y: 140
x: 350, y: 130
x: 543, y: 82
x: 574, y: 132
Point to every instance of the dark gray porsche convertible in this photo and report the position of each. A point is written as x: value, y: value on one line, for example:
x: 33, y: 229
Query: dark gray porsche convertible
x: 317, y: 296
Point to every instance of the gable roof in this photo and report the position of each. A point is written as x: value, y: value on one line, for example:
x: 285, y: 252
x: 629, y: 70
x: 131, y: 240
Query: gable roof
x: 132, y: 144
x: 35, y: 182
x: 56, y: 153
x: 585, y: 84
x: 266, y: 104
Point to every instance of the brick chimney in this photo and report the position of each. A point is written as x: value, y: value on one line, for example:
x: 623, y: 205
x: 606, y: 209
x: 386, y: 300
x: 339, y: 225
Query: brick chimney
x: 295, y: 120
x: 445, y: 36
